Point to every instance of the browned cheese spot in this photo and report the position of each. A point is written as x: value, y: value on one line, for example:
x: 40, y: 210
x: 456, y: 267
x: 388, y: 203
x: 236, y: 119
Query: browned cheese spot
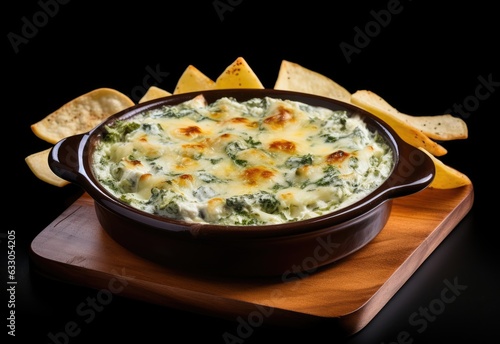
x: 282, y: 117
x: 337, y: 157
x: 254, y: 174
x: 190, y: 131
x: 283, y: 146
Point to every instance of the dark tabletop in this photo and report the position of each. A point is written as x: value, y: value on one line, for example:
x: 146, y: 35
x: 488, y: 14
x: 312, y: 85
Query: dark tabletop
x: 422, y: 58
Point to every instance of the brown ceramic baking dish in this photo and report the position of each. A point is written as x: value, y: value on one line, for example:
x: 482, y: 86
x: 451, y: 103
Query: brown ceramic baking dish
x: 280, y: 250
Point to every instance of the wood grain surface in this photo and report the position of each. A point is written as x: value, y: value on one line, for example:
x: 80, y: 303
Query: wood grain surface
x: 348, y: 293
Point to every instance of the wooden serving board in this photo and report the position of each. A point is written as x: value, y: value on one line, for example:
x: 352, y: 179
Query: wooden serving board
x: 346, y: 294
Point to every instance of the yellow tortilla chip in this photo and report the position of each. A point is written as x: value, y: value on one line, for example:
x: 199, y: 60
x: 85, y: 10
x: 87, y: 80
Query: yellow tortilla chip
x: 294, y: 77
x: 193, y: 80
x: 154, y: 92
x: 39, y: 165
x: 238, y: 75
x: 446, y: 177
x: 440, y: 127
x: 371, y: 102
x: 81, y: 114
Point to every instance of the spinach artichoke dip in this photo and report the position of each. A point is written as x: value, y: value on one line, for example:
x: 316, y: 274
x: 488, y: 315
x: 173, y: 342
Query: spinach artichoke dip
x: 257, y: 162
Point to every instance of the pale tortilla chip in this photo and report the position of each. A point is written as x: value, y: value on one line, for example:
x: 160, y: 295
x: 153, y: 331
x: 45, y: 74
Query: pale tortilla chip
x: 440, y: 127
x: 238, y: 75
x: 81, y: 114
x: 193, y: 80
x: 370, y: 102
x: 294, y: 77
x: 39, y: 165
x: 446, y: 177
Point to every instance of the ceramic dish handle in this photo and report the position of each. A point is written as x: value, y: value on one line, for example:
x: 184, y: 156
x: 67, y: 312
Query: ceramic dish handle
x: 413, y: 172
x: 65, y: 158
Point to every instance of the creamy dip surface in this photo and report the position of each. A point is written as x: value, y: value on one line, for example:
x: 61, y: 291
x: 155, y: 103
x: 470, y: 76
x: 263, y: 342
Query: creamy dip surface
x: 257, y: 162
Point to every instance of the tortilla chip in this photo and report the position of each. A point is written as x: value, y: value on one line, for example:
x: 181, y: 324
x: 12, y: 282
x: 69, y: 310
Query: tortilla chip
x: 370, y: 102
x: 39, y: 165
x: 446, y: 177
x: 154, y: 92
x: 294, y: 77
x: 238, y: 75
x: 81, y: 114
x: 193, y: 80
x: 440, y: 127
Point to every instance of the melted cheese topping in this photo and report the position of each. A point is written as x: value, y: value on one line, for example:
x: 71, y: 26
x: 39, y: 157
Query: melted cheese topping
x: 263, y: 161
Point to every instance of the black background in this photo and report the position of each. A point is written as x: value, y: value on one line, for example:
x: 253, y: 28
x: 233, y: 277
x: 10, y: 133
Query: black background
x: 423, y: 59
